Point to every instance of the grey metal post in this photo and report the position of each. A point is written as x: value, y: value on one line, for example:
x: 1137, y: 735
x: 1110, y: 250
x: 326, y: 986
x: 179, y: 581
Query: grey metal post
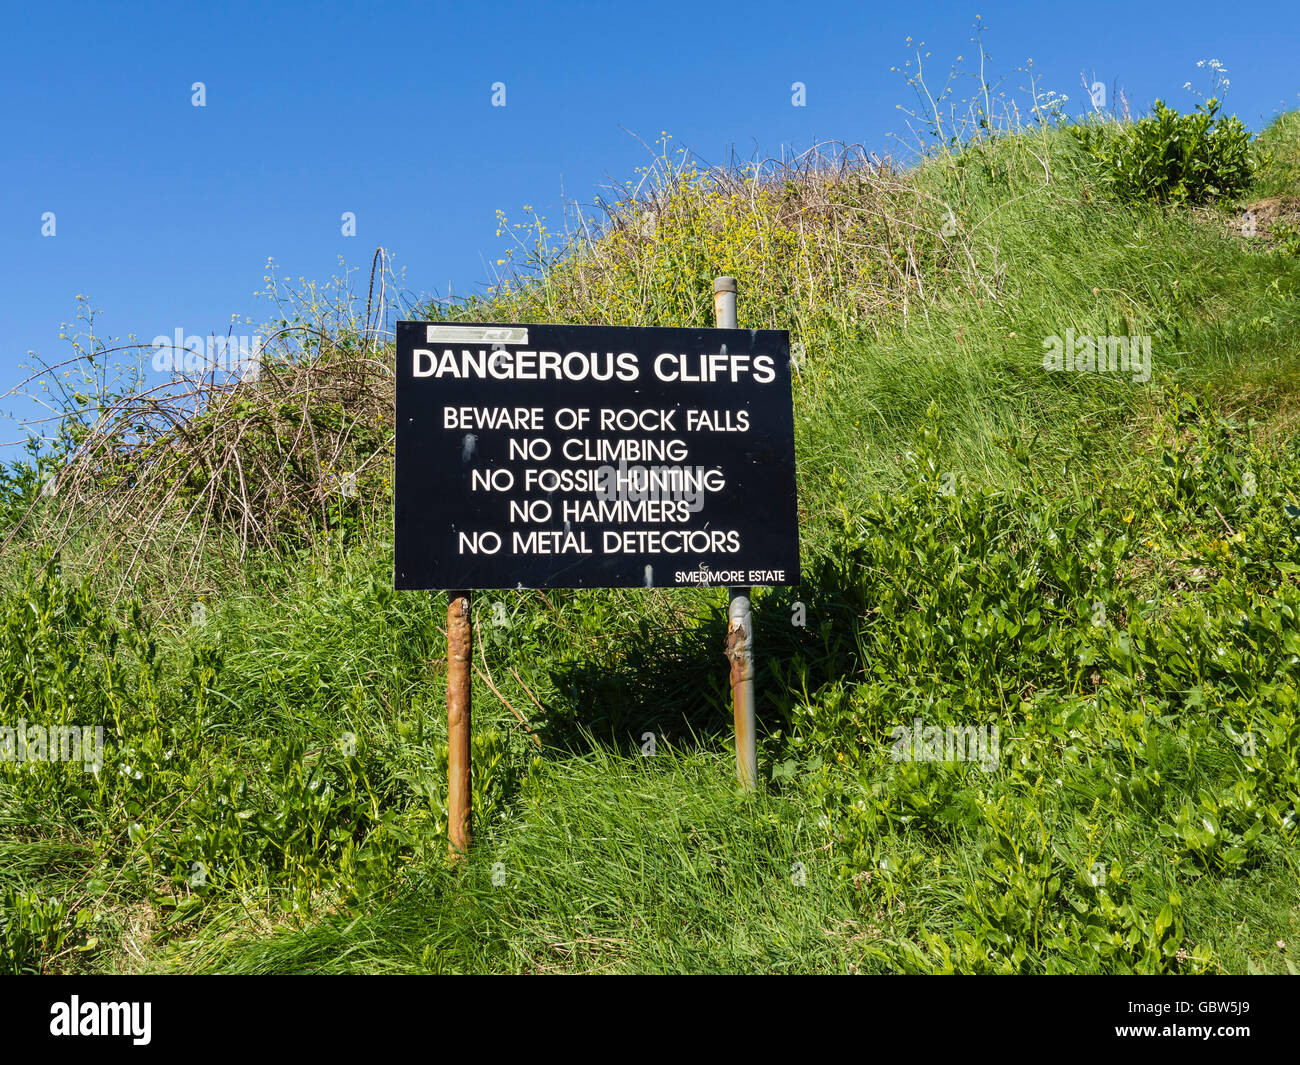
x: 740, y: 628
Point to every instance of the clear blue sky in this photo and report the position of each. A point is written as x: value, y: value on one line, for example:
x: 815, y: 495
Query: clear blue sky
x: 166, y: 213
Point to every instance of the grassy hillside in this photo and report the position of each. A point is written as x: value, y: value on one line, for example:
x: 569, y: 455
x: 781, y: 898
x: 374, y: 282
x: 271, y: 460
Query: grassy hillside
x: 1100, y: 566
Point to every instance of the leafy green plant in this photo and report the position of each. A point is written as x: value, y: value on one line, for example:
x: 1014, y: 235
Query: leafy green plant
x: 34, y: 929
x: 1168, y: 157
x: 1286, y: 238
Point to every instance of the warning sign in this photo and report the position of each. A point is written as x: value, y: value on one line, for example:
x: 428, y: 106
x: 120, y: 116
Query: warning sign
x: 546, y: 456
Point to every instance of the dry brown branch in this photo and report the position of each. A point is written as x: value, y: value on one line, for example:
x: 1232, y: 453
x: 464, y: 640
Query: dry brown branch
x: 264, y: 454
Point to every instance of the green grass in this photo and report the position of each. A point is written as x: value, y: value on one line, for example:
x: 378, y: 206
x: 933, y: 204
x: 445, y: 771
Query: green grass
x: 272, y: 798
x: 657, y: 866
x: 1281, y: 140
x: 612, y: 865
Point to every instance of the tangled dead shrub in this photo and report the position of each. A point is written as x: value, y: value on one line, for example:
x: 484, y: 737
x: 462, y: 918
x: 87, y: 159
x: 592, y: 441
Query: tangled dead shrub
x: 267, y: 460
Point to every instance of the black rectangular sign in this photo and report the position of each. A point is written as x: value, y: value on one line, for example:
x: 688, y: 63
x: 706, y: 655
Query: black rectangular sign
x: 548, y: 456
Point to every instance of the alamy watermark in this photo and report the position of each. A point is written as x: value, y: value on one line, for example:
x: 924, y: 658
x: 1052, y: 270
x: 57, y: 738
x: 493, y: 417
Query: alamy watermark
x: 675, y: 491
x: 53, y: 743
x: 1108, y: 354
x: 178, y: 353
x: 951, y: 743
x: 77, y: 1018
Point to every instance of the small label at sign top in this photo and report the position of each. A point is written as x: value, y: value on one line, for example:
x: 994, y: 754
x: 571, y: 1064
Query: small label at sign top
x: 555, y: 456
x: 476, y: 334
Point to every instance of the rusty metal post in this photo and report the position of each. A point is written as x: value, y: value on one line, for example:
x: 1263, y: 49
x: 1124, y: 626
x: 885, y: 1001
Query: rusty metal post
x: 740, y: 628
x: 459, y: 663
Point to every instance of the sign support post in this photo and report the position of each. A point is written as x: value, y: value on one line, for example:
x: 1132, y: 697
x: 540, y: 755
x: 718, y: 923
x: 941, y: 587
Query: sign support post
x: 459, y: 663
x: 740, y: 628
